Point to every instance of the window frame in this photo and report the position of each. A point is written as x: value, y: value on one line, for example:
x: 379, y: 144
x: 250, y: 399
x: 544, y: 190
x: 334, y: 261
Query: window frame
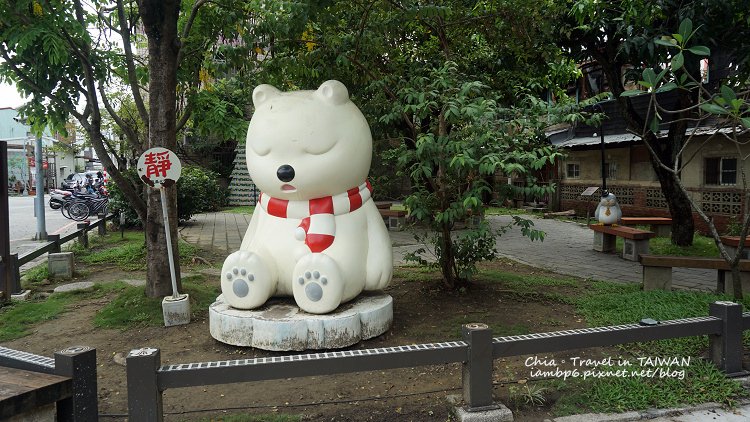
x: 610, y: 168
x: 577, y: 170
x: 721, y: 171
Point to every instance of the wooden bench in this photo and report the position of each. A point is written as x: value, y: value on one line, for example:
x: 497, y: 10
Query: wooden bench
x: 27, y: 395
x: 657, y: 270
x: 635, y: 240
x: 662, y: 226
x: 383, y: 205
x: 394, y: 219
x: 731, y: 243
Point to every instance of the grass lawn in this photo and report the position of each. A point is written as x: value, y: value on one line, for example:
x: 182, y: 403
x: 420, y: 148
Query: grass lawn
x: 621, y: 304
x: 505, y: 211
x: 702, y: 246
x: 240, y: 209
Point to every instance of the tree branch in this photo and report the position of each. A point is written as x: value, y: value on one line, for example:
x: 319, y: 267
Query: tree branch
x: 36, y: 88
x: 126, y: 128
x: 389, y: 93
x: 188, y: 26
x: 185, y: 116
x: 362, y: 27
x: 130, y: 64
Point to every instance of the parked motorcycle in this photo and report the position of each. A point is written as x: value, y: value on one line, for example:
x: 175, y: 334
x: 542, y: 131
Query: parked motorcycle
x: 79, y: 205
x: 58, y: 198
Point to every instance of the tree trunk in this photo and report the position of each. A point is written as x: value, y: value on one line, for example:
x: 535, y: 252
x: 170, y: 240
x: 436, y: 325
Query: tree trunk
x: 683, y: 226
x: 736, y: 282
x: 666, y: 150
x: 446, y: 256
x: 160, y: 24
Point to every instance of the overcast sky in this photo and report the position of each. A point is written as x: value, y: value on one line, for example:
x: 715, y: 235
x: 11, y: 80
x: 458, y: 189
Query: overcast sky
x: 9, y: 97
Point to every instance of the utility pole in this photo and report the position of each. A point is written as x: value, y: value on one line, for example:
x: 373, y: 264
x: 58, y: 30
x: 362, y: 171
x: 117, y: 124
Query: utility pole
x: 41, y: 229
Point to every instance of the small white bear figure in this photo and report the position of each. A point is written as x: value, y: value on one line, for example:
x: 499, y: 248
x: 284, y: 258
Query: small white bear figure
x: 315, y: 233
x: 608, y: 211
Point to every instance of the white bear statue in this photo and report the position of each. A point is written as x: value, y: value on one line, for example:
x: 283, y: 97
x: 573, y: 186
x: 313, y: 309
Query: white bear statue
x: 316, y: 233
x: 608, y: 211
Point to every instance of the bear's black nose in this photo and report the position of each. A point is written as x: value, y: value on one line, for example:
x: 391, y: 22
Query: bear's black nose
x: 285, y: 173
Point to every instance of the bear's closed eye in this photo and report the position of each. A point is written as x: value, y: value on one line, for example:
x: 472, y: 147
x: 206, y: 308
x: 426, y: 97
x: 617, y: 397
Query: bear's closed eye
x: 318, y: 148
x: 260, y: 148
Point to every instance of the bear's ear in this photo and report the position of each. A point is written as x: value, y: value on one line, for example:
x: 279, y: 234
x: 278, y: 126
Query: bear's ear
x: 333, y: 92
x: 263, y: 93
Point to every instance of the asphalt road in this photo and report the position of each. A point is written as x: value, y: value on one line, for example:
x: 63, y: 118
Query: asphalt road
x: 23, y: 222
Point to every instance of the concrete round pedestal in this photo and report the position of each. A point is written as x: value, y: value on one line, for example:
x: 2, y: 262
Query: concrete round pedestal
x: 280, y: 325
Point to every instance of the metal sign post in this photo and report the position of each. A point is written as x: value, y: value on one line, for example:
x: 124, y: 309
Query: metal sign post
x: 160, y: 168
x: 589, y: 192
x: 41, y: 228
x: 163, y: 194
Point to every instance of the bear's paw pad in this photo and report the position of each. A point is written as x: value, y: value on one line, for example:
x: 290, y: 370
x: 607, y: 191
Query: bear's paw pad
x: 317, y: 286
x: 245, y: 280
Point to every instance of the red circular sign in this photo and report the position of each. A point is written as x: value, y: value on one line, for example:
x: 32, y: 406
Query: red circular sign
x: 159, y: 166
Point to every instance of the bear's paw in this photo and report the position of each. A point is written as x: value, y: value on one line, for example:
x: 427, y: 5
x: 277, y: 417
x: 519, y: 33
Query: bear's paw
x: 246, y: 282
x: 317, y: 285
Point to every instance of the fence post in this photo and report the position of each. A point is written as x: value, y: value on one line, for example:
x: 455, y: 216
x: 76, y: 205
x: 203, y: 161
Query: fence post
x: 83, y: 237
x: 55, y: 238
x: 78, y: 363
x: 726, y: 348
x: 15, y: 271
x: 102, y: 223
x: 477, y: 370
x: 144, y: 396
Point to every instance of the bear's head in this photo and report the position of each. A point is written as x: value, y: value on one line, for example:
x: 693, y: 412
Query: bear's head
x: 303, y: 145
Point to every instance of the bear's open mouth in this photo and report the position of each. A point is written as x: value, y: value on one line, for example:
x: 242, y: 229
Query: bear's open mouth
x: 288, y: 188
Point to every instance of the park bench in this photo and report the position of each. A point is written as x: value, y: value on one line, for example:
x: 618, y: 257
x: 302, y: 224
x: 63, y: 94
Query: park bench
x: 28, y: 395
x: 662, y: 226
x: 383, y: 205
x: 731, y: 243
x: 635, y: 240
x: 394, y: 219
x: 657, y: 269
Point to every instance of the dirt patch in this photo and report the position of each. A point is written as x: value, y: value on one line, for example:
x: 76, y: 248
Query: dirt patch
x: 423, y: 312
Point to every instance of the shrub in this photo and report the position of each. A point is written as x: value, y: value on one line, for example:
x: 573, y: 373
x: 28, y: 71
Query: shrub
x: 198, y: 190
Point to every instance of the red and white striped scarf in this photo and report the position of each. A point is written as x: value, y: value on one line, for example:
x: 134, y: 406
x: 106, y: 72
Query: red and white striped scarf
x: 318, y: 226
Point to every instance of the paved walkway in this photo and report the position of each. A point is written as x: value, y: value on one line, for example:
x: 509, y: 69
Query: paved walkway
x: 566, y: 249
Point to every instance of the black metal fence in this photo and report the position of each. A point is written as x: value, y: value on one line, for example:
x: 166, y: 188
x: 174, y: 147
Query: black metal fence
x: 53, y: 245
x: 147, y: 379
x: 77, y: 363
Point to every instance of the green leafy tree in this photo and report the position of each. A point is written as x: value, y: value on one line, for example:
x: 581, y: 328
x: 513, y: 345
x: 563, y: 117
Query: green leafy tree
x: 62, y: 55
x: 464, y: 138
x: 728, y: 109
x: 624, y: 34
x: 437, y: 75
x: 376, y: 48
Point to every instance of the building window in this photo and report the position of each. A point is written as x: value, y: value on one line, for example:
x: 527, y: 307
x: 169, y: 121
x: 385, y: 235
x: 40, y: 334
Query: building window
x: 610, y: 169
x: 720, y: 171
x: 573, y: 171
